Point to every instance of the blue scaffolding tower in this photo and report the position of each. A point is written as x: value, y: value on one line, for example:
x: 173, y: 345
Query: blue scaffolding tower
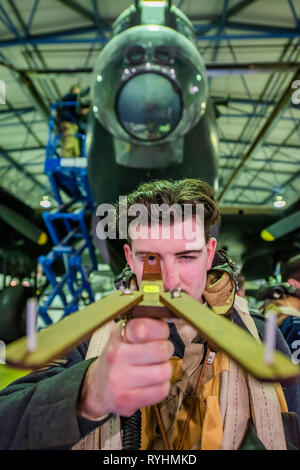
x: 67, y: 224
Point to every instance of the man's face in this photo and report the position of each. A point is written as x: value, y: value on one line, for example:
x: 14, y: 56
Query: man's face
x: 184, y: 261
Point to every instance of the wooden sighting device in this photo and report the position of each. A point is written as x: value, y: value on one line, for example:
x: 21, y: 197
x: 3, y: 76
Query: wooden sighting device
x: 151, y: 301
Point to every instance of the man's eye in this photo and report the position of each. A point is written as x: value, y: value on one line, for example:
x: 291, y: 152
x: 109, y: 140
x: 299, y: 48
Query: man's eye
x: 188, y: 257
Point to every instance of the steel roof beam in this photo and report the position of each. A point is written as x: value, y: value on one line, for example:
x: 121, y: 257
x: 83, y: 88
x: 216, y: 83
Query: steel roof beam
x: 57, y: 37
x: 32, y: 14
x: 252, y: 188
x: 294, y: 13
x: 25, y: 81
x: 20, y: 168
x: 260, y: 28
x: 21, y: 123
x: 249, y: 115
x: 247, y: 210
x: 262, y: 135
x: 97, y: 18
x: 26, y: 29
x: 212, y: 69
x: 24, y: 165
x: 25, y: 149
x: 224, y: 101
x: 262, y: 160
x: 250, y: 68
x: 267, y: 90
x: 282, y: 172
x: 87, y: 14
x: 26, y: 110
x: 286, y: 183
x: 231, y: 12
x: 27, y: 126
x: 242, y: 203
x: 265, y: 144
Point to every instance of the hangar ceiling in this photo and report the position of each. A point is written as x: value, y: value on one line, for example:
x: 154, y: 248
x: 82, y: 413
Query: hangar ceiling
x: 251, y: 50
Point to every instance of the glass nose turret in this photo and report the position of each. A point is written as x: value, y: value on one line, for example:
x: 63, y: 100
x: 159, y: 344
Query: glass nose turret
x: 149, y: 106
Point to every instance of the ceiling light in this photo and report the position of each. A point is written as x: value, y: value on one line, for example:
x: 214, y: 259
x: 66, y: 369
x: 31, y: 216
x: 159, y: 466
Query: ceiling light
x: 154, y: 4
x: 45, y: 202
x: 279, y: 202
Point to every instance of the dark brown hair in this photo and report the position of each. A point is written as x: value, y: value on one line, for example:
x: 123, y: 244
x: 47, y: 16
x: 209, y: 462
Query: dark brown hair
x: 291, y: 269
x: 186, y: 191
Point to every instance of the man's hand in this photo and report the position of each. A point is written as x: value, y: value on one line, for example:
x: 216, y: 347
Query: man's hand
x: 130, y: 374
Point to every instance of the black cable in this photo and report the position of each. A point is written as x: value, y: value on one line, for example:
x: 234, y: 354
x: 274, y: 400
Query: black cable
x: 131, y: 431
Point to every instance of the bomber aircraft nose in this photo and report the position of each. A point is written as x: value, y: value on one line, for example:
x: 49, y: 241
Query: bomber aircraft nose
x: 149, y: 106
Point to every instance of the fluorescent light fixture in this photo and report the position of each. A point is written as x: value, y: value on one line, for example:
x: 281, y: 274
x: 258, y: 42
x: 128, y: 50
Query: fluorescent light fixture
x: 154, y: 4
x: 279, y: 202
x: 45, y: 202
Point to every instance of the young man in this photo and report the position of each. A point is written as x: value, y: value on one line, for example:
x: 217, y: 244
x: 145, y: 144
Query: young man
x: 149, y: 385
x: 71, y: 119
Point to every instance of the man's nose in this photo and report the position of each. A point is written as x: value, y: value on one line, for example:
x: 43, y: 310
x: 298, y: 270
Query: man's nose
x: 170, y: 277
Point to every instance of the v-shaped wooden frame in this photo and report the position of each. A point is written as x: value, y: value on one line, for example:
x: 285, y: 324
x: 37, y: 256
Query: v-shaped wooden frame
x: 151, y: 300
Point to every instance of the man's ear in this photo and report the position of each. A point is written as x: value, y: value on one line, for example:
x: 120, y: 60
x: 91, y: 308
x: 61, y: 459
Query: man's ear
x: 128, y: 255
x: 211, y: 249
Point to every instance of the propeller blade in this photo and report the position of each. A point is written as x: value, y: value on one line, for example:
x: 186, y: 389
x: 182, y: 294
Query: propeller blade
x: 22, y: 225
x: 281, y: 227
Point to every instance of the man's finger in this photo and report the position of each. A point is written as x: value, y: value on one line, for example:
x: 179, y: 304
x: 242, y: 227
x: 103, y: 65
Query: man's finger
x: 154, y: 352
x: 142, y: 330
x: 142, y: 376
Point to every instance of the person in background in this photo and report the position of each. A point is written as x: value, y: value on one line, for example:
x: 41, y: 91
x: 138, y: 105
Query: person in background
x: 84, y: 107
x: 291, y: 271
x: 69, y: 117
x: 284, y: 298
